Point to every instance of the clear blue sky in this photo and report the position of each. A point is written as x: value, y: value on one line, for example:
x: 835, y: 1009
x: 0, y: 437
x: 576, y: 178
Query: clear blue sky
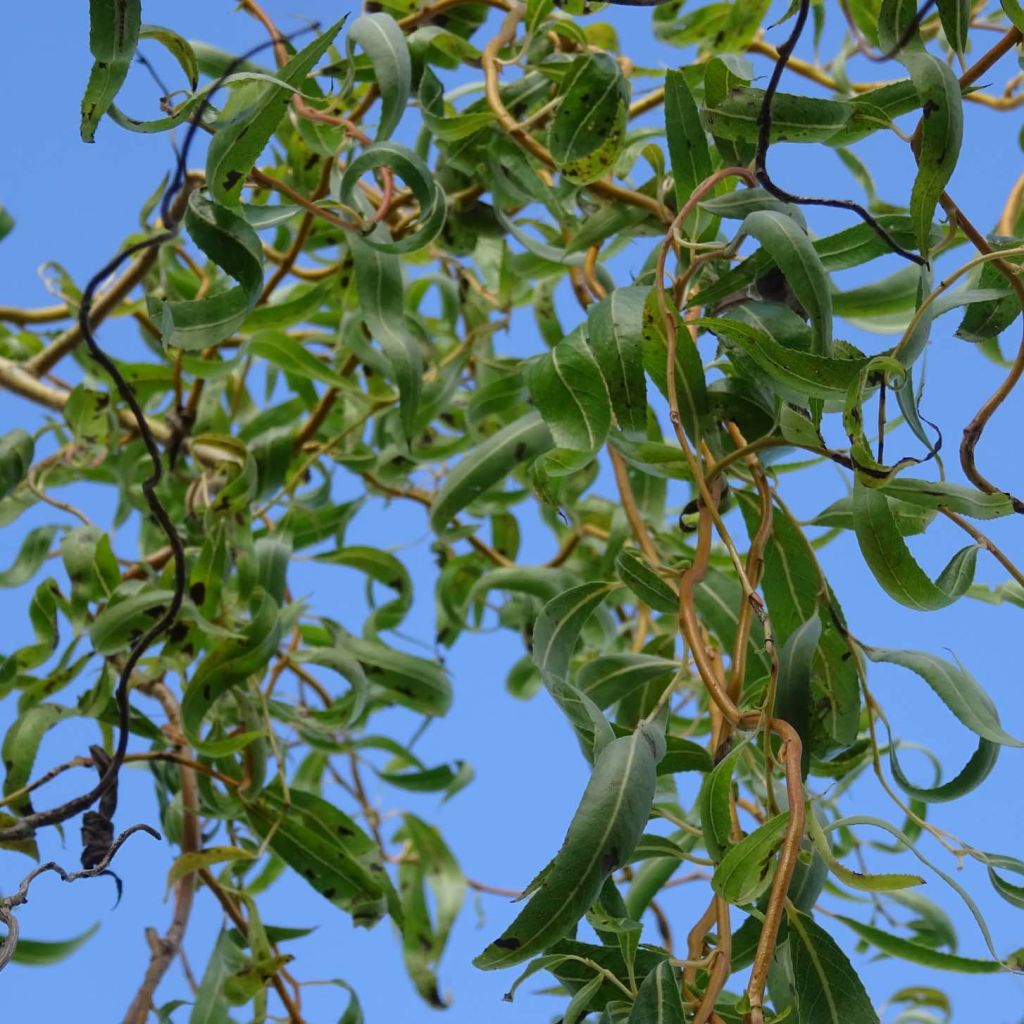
x: 74, y: 203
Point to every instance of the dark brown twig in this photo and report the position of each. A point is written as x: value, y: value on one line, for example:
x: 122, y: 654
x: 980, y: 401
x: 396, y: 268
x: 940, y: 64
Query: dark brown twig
x: 764, y: 122
x: 8, y: 903
x: 171, y: 221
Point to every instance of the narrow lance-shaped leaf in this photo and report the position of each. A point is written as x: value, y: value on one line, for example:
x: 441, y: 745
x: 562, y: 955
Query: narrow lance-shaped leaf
x: 791, y: 249
x: 793, y: 693
x: 745, y: 871
x: 417, y: 176
x: 229, y: 241
x: 940, y: 132
x: 955, y: 16
x: 43, y: 952
x: 714, y: 802
x: 918, y: 953
x: 570, y: 393
x: 586, y: 132
x: 803, y: 372
x: 892, y: 564
x: 658, y: 1000
x: 607, y: 824
x: 227, y: 666
x: 379, y: 285
x: 424, y: 939
x: 16, y: 452
x: 328, y: 849
x: 961, y: 693
x: 385, y: 44
x: 648, y: 586
x: 30, y: 556
x: 794, y: 118
x: 227, y: 959
x: 250, y: 118
x: 113, y: 35
x: 827, y: 988
x: 687, y: 144
x: 21, y: 744
x: 487, y: 464
x: 614, y: 331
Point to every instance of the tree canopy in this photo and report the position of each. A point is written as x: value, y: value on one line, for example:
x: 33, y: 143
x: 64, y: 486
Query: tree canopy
x: 330, y: 287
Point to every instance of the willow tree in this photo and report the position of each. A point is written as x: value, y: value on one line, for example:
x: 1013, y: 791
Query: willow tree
x: 330, y: 297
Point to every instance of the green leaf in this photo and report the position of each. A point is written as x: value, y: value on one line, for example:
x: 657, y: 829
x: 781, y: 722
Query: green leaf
x: 984, y: 321
x: 802, y: 372
x: 917, y: 953
x: 328, y: 849
x: 195, y: 324
x: 380, y: 290
x: 793, y: 693
x: 740, y: 27
x: 614, y: 331
x: 113, y: 628
x: 690, y: 384
x: 44, y: 952
x: 687, y: 144
x: 957, y: 689
x: 745, y: 871
x: 227, y: 959
x: 601, y: 836
x: 406, y: 164
x: 658, y: 1000
x: 385, y: 45
x: 794, y: 118
x: 1013, y: 894
x: 558, y: 627
x: 609, y: 677
x: 1013, y: 10
x: 648, y: 586
x: 17, y: 450
x: 441, y: 778
x: 933, y: 494
x: 569, y: 391
x: 250, y: 118
x: 415, y: 683
x: 955, y: 16
x: 227, y: 666
x: 487, y: 464
x: 290, y: 355
x: 892, y: 564
x: 432, y: 869
x: 941, y: 127
x: 586, y: 132
x: 33, y: 552
x: 7, y: 222
x: 338, y: 658
x: 384, y: 568
x: 90, y: 563
x: 827, y: 988
x: 187, y: 863
x: 178, y: 47
x: 113, y: 35
x: 21, y: 744
x: 790, y: 248
x: 714, y: 802
x: 794, y: 591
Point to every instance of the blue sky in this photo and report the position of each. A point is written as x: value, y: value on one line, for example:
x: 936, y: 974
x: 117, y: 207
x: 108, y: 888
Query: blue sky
x: 73, y: 203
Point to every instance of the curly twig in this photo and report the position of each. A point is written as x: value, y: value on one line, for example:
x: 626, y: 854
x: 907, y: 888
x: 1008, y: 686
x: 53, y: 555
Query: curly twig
x: 171, y: 221
x: 764, y: 123
x: 8, y: 903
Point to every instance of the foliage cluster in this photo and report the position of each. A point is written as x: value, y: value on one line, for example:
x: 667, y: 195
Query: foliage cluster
x: 328, y: 298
